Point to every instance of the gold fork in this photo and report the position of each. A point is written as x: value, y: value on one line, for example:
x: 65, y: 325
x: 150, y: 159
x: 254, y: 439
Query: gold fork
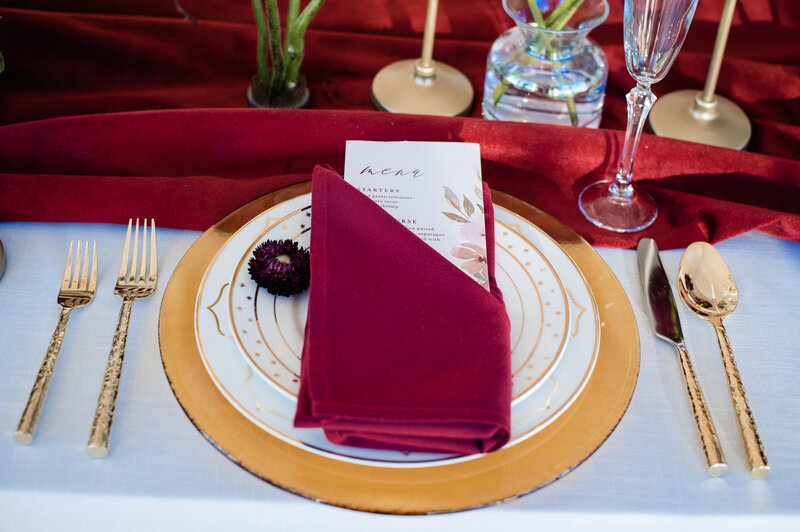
x: 129, y: 287
x: 77, y: 290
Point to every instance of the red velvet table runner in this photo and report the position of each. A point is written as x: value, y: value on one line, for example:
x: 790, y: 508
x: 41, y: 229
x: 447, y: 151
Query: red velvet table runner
x: 188, y: 169
x: 72, y: 57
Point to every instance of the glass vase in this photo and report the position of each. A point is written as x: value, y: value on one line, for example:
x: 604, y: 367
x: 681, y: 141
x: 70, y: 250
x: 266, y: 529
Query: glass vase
x: 295, y: 96
x: 547, y: 75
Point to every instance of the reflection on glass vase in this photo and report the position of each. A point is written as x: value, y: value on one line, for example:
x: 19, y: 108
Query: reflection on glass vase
x: 292, y: 95
x: 546, y: 69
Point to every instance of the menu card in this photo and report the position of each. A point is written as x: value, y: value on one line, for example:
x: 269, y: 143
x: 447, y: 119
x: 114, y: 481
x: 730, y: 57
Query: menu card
x: 432, y: 188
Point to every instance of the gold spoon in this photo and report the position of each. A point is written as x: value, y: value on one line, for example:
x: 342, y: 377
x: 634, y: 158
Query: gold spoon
x: 706, y: 286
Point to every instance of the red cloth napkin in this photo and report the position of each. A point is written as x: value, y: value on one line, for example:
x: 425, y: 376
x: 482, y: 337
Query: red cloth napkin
x: 402, y: 349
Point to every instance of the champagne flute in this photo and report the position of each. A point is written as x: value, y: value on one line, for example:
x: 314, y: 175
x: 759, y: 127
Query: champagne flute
x: 654, y: 31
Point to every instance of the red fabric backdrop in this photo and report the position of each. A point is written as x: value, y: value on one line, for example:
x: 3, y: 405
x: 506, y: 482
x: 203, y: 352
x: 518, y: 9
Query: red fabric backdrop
x: 67, y: 57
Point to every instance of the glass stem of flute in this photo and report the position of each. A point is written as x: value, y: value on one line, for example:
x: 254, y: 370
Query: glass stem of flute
x: 640, y: 100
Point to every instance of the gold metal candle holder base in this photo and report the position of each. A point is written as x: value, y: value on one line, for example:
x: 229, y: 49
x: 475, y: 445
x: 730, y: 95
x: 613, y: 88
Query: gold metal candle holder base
x: 684, y: 115
x: 409, y: 87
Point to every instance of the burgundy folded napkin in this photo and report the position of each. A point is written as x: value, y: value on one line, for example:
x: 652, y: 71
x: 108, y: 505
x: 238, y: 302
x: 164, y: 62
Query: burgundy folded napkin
x: 402, y: 349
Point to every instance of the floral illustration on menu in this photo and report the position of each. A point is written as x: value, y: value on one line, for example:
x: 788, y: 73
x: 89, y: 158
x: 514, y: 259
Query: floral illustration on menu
x: 472, y: 250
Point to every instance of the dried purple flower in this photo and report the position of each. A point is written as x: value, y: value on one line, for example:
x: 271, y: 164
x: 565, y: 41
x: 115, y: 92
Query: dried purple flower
x: 280, y: 266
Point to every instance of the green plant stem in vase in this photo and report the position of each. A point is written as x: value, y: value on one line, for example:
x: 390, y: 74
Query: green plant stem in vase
x: 278, y: 82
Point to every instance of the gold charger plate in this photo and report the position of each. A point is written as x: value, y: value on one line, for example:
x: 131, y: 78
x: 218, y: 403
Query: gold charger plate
x: 495, y: 477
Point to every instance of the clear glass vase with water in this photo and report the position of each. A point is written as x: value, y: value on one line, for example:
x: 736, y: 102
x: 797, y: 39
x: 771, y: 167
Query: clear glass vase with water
x: 547, y: 75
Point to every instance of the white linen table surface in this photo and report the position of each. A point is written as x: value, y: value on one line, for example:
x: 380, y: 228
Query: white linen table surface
x: 161, y: 474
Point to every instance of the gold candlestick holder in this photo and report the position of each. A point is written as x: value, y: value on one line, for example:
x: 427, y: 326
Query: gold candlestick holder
x: 423, y: 86
x: 704, y: 117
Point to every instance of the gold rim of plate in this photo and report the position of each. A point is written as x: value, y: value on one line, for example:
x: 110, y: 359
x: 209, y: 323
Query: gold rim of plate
x: 496, y: 477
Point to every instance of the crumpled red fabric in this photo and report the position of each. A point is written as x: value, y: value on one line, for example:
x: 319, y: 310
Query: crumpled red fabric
x: 72, y: 57
x: 190, y: 168
x: 402, y: 350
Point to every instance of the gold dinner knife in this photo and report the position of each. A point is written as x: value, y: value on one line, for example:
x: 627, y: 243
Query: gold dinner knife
x: 663, y: 315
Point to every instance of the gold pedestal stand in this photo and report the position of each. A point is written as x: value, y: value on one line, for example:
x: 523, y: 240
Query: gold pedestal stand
x: 423, y: 86
x: 703, y: 116
x: 685, y: 115
x: 398, y: 88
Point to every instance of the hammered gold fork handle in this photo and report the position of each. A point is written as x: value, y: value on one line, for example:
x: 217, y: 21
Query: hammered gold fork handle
x: 100, y: 435
x: 30, y: 416
x: 709, y: 441
x: 753, y: 447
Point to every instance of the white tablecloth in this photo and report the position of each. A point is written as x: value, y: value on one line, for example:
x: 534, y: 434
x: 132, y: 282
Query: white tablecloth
x: 162, y: 474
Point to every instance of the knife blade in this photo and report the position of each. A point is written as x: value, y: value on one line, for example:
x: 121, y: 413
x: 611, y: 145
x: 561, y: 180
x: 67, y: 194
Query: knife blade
x: 663, y: 315
x: 2, y: 260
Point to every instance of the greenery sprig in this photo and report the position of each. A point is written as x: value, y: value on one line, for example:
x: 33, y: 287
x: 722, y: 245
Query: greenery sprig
x: 279, y: 62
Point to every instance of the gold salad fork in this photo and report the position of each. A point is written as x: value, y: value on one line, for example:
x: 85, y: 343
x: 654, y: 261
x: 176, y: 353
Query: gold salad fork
x: 77, y: 290
x: 130, y: 286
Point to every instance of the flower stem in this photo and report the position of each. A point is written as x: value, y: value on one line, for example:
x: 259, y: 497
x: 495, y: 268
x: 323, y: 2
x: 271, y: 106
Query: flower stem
x: 556, y: 21
x: 499, y: 90
x: 291, y: 21
x: 289, y: 49
x: 275, y: 49
x: 559, y: 17
x: 261, y: 53
x: 295, y: 39
x: 307, y: 14
x: 537, y: 14
x: 572, y: 110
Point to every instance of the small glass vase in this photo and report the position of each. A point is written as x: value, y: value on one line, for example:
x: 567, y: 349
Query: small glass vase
x: 295, y: 98
x: 548, y: 76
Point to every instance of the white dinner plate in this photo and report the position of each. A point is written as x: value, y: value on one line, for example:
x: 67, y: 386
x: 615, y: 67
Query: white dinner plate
x: 272, y: 408
x: 269, y: 329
